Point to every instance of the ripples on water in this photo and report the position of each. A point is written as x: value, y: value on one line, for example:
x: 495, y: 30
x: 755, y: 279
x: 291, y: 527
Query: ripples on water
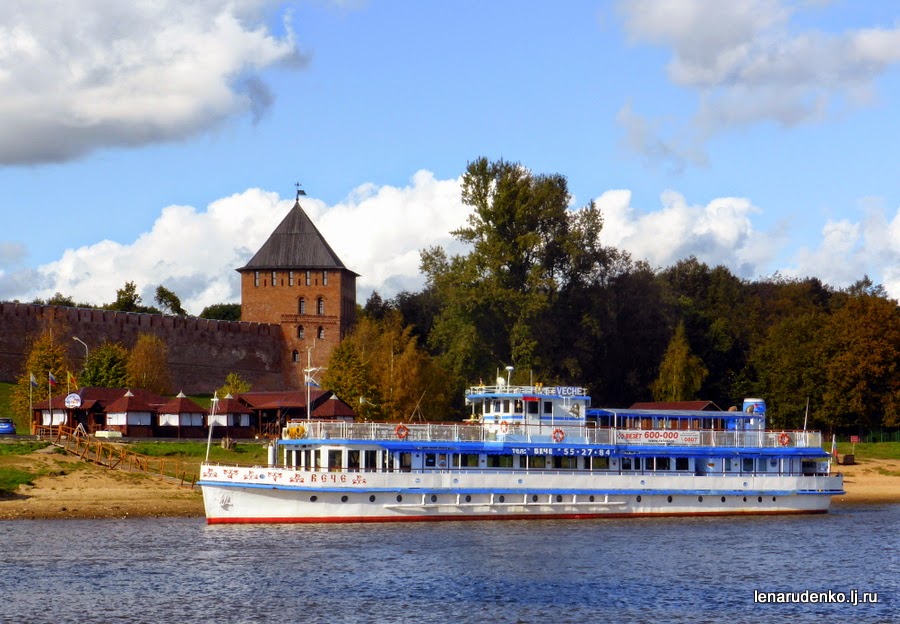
x: 675, y: 570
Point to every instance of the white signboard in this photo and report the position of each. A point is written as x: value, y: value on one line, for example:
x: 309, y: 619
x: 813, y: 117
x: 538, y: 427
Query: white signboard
x: 657, y: 436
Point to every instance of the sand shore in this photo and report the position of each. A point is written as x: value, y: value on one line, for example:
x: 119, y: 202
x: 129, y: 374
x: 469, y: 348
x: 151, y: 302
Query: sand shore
x: 77, y: 489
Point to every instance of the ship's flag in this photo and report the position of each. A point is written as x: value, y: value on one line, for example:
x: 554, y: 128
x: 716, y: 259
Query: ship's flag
x: 834, y: 447
x: 311, y: 382
x: 33, y: 381
x: 70, y: 379
x: 51, y: 379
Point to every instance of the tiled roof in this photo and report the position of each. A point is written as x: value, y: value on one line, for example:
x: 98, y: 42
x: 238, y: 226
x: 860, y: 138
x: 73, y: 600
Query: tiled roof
x: 180, y: 405
x: 295, y: 244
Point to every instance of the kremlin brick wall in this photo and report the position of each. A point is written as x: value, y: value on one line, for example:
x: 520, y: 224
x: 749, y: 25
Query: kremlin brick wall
x: 201, y: 351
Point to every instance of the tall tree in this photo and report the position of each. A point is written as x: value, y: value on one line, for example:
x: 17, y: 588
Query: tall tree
x: 106, y: 366
x: 148, y: 365
x: 45, y: 356
x: 681, y: 373
x: 222, y: 312
x: 169, y: 301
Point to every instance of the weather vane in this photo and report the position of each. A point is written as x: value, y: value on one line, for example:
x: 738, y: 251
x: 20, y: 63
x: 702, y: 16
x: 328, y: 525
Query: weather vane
x: 300, y: 191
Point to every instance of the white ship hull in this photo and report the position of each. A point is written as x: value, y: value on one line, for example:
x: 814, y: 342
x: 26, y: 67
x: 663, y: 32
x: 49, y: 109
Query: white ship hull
x: 283, y: 495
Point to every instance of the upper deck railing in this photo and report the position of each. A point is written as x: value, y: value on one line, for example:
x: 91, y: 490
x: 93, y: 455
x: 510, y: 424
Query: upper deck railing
x: 544, y: 434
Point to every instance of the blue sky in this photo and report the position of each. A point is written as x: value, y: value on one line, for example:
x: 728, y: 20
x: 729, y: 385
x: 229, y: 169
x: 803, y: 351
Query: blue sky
x: 160, y: 143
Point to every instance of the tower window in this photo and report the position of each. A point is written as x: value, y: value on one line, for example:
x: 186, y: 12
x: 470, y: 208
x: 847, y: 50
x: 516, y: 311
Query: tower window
x: 290, y: 278
x: 321, y: 333
x: 300, y: 331
x: 274, y: 278
x: 302, y: 306
x: 324, y: 278
x: 320, y: 306
x: 256, y: 278
x: 295, y: 356
x: 307, y: 278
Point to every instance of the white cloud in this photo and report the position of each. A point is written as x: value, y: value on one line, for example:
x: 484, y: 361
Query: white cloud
x: 746, y: 65
x: 378, y: 231
x: 77, y: 76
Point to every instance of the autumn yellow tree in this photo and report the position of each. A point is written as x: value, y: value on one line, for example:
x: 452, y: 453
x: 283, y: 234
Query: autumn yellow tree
x: 46, y: 355
x: 681, y: 373
x: 148, y: 365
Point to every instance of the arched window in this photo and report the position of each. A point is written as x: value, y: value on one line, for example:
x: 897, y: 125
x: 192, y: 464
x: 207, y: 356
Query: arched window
x: 321, y: 333
x: 301, y: 306
x: 299, y: 331
x: 295, y: 356
x: 320, y: 306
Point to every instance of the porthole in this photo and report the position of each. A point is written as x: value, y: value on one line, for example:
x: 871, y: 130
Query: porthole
x: 700, y: 499
x: 468, y: 498
x: 558, y: 498
x: 745, y: 499
x: 638, y: 499
x: 372, y: 498
x: 344, y: 499
x: 591, y: 498
x: 534, y: 498
x: 399, y: 498
x: 759, y: 499
x: 723, y: 499
x: 313, y: 499
x: 669, y: 498
x: 502, y: 499
x: 433, y: 498
x: 773, y: 499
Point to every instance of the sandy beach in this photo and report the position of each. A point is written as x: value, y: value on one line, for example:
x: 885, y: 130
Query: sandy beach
x: 77, y: 489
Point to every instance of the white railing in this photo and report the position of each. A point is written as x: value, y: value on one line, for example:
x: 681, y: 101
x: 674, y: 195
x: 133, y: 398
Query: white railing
x: 542, y: 434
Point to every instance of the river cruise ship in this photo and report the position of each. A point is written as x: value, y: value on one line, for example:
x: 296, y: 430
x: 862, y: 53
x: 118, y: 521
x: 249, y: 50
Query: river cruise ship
x: 529, y: 452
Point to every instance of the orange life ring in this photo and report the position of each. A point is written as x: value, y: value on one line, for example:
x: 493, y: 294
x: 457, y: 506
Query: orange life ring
x: 558, y: 435
x: 784, y: 439
x: 504, y: 427
x: 401, y: 431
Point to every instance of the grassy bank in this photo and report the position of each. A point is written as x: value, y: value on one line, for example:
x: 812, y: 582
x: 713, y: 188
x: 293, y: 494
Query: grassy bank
x: 874, y: 450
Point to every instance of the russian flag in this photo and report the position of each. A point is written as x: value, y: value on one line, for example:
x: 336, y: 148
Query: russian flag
x: 51, y: 379
x: 33, y: 381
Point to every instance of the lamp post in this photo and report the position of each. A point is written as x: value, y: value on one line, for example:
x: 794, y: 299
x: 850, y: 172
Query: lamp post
x: 509, y: 370
x: 86, y: 351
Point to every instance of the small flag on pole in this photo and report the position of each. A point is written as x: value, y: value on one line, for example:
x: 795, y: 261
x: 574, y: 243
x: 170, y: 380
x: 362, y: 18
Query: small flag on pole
x: 70, y: 379
x: 51, y: 379
x: 33, y: 381
x: 834, y: 452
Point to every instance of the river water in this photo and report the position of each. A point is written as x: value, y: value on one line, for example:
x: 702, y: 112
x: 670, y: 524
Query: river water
x: 630, y: 570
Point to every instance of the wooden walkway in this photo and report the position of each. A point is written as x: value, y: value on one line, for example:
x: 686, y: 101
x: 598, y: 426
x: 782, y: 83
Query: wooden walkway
x: 116, y: 456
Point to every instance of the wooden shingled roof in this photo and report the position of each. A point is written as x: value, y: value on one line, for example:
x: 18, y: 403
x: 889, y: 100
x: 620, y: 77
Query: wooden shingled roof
x: 295, y: 244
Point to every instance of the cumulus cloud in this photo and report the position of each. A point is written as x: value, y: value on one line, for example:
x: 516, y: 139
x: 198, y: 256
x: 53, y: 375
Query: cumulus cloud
x: 75, y: 77
x: 378, y: 231
x: 747, y: 65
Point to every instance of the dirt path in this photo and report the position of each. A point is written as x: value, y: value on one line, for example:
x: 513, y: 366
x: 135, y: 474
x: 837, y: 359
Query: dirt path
x: 77, y: 489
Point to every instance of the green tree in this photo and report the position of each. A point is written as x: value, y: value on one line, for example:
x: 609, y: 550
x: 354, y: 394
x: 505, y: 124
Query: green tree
x: 222, y: 312
x: 861, y: 359
x: 234, y: 385
x: 349, y: 379
x: 106, y: 366
x: 128, y: 300
x: 45, y: 356
x: 148, y: 365
x: 169, y: 301
x: 681, y: 373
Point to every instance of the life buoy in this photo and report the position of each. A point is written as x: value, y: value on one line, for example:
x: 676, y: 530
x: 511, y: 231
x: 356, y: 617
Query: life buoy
x: 558, y: 435
x: 504, y: 427
x: 784, y: 439
x: 401, y: 431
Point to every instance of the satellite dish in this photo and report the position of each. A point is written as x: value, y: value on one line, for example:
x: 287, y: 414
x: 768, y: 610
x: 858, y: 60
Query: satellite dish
x: 501, y: 381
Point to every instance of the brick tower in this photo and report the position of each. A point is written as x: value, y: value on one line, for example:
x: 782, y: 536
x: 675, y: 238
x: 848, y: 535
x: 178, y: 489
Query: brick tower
x: 297, y: 281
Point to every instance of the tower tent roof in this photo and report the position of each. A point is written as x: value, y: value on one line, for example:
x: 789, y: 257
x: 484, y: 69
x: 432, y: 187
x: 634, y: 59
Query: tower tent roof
x: 295, y: 244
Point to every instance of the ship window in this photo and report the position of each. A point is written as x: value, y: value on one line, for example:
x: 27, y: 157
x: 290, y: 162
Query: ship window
x: 499, y: 461
x: 548, y: 407
x: 537, y: 461
x: 747, y: 464
x: 496, y: 408
x: 626, y: 463
x: 370, y: 460
x: 353, y: 461
x: 468, y: 460
x: 430, y: 460
x: 600, y: 463
x: 334, y: 461
x: 506, y: 406
x: 372, y: 498
x: 406, y: 462
x: 663, y: 463
x: 682, y: 463
x: 565, y: 463
x: 533, y: 407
